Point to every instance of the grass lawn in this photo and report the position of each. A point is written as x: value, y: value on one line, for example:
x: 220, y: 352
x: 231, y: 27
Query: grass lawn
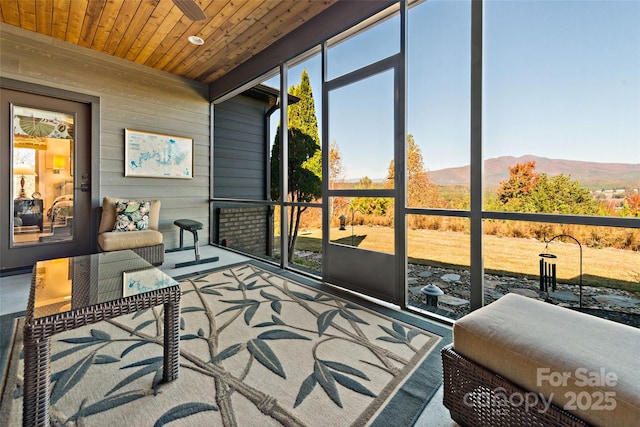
x: 607, y: 267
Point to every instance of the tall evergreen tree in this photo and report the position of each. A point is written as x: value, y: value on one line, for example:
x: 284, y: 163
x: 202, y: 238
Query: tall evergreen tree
x: 305, y: 157
x: 302, y: 116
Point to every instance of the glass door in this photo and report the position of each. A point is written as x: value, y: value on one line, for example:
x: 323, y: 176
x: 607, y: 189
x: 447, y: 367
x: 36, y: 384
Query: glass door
x: 362, y: 244
x: 48, y: 205
x: 364, y: 137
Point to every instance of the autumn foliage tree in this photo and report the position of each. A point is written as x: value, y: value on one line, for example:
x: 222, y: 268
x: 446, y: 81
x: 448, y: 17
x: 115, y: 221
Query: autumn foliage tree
x: 632, y: 202
x: 421, y: 192
x: 514, y: 190
x: 336, y: 172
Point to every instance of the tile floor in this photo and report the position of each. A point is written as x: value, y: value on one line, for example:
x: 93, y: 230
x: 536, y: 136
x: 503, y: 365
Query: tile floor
x: 14, y: 292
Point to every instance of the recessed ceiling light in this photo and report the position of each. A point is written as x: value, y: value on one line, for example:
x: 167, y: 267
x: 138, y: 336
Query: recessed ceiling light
x: 195, y: 40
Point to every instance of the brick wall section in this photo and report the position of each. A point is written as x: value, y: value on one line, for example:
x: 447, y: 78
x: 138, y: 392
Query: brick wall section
x: 244, y: 228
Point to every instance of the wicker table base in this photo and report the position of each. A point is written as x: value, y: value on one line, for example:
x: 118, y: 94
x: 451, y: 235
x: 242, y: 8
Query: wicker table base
x: 477, y: 397
x: 37, y: 333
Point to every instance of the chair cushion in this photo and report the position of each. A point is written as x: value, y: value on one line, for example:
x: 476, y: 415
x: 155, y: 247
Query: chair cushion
x: 582, y: 362
x: 108, y: 218
x: 131, y: 216
x: 114, y: 241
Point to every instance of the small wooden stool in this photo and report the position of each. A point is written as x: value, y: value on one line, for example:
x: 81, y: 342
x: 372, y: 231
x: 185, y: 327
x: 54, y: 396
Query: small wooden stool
x: 193, y: 227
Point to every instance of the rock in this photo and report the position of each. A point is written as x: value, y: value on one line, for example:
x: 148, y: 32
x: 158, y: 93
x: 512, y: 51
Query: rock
x: 493, y: 293
x: 491, y: 284
x: 415, y: 290
x: 450, y: 277
x: 462, y: 293
x: 618, y: 300
x: 449, y: 300
x: 524, y: 292
x: 425, y: 273
x: 564, y: 296
x: 412, y: 281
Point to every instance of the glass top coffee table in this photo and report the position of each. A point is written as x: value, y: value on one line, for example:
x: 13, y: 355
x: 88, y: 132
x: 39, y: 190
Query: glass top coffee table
x: 68, y: 293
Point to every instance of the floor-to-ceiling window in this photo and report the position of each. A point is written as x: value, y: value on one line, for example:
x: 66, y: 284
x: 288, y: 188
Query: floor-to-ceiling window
x: 438, y: 148
x: 561, y: 153
x: 519, y: 166
x: 304, y: 119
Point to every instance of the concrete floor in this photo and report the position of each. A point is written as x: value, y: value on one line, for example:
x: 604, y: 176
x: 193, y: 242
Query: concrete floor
x: 14, y: 292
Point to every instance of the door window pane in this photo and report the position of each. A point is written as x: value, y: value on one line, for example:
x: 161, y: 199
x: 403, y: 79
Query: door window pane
x: 363, y: 222
x: 43, y: 145
x: 361, y: 129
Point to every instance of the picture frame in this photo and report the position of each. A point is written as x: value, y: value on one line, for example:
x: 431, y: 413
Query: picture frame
x: 157, y: 155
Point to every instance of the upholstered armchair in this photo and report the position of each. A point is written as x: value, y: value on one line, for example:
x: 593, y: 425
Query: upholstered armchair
x: 131, y: 224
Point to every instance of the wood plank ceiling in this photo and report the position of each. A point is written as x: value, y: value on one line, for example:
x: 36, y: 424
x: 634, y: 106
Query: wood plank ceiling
x: 154, y: 32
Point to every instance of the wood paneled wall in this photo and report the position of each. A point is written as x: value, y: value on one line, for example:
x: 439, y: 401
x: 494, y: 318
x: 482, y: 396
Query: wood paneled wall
x: 131, y: 96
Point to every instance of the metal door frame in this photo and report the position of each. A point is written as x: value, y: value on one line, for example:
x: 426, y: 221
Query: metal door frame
x: 376, y: 274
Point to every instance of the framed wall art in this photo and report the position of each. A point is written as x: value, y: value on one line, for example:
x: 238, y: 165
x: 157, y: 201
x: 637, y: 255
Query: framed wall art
x: 157, y: 155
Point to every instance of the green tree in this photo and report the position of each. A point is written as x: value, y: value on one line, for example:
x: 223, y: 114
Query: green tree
x: 305, y: 160
x: 560, y: 194
x: 302, y: 116
x: 528, y: 191
x: 371, y: 205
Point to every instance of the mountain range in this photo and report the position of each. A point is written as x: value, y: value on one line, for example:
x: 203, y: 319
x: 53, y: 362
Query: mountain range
x: 593, y: 175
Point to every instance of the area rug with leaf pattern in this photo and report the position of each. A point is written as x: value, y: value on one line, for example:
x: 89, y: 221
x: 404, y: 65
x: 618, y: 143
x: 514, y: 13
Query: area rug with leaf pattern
x: 258, y: 348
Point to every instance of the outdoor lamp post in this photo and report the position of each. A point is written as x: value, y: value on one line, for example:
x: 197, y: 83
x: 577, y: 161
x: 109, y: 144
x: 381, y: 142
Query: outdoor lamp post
x: 548, y: 271
x: 431, y: 293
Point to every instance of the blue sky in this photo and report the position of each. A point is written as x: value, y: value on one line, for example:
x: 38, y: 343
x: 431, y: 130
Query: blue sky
x: 561, y: 80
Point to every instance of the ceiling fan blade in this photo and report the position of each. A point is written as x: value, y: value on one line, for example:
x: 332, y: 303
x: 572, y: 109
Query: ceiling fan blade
x: 190, y: 9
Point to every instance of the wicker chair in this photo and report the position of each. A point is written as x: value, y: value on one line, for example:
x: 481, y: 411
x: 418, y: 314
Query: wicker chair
x: 523, y: 362
x: 146, y: 243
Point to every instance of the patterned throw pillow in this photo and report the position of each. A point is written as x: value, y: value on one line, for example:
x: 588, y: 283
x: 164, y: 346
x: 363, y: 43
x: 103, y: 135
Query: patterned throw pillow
x: 132, y: 215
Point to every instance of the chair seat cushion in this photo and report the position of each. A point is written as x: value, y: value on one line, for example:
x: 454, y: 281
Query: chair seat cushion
x: 582, y: 362
x: 114, y: 241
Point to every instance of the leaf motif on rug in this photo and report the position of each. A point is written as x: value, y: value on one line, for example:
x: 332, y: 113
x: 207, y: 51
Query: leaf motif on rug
x: 256, y: 348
